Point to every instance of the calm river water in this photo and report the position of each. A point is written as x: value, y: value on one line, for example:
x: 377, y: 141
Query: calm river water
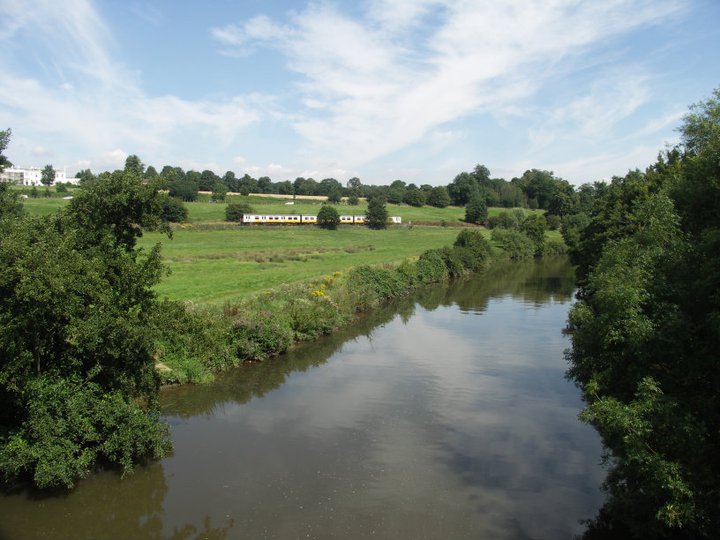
x: 445, y: 416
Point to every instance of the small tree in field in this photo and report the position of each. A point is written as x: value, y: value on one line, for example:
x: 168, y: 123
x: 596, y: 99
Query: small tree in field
x: 47, y: 176
x: 235, y: 211
x: 377, y: 213
x: 476, y: 210
x: 328, y: 218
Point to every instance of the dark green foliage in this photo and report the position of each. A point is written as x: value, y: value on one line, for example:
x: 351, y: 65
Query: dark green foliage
x: 515, y: 243
x: 235, y: 211
x: 219, y: 190
x: 70, y: 425
x: 47, y: 175
x: 414, y: 197
x: 438, y: 197
x: 534, y: 227
x: 77, y: 381
x: 353, y: 200
x: 328, y: 218
x: 10, y: 205
x: 134, y: 166
x: 184, y: 189
x: 431, y: 266
x: 4, y: 141
x: 476, y: 210
x: 474, y: 250
x: 504, y: 220
x: 377, y: 214
x: 265, y: 334
x: 371, y: 286
x: 645, y: 336
x: 173, y: 210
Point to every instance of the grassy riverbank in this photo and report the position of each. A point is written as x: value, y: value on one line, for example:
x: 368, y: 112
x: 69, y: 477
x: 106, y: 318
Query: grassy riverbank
x: 196, y: 341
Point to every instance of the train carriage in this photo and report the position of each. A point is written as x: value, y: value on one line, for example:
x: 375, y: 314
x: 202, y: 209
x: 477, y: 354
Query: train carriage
x: 303, y: 219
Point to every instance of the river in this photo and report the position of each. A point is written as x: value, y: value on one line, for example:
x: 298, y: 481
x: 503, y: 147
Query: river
x: 443, y: 416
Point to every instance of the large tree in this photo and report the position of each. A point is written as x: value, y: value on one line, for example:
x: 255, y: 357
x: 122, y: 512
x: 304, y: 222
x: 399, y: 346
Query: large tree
x: 78, y: 385
x: 645, y: 337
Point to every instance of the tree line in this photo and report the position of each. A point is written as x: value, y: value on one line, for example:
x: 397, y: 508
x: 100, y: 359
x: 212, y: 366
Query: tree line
x: 646, y: 335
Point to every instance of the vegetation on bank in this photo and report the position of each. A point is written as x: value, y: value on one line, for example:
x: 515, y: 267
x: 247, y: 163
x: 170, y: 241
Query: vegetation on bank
x: 646, y: 336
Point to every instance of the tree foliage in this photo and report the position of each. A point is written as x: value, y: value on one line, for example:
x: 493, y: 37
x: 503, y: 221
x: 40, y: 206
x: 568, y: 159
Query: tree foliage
x: 645, y: 337
x: 476, y: 210
x: 328, y: 218
x: 236, y: 211
x: 78, y: 385
x: 4, y: 141
x: 377, y: 214
x: 47, y: 175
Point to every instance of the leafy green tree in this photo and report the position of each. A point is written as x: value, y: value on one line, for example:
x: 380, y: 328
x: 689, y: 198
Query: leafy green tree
x: 173, y: 210
x: 185, y: 189
x: 150, y: 173
x: 534, y: 227
x: 377, y: 214
x: 463, y: 188
x: 396, y: 192
x: 219, y: 191
x: 236, y: 211
x: 353, y: 200
x: 328, y: 218
x: 47, y: 175
x: 354, y: 186
x: 265, y: 184
x: 207, y: 180
x: 476, y: 211
x: 438, y: 197
x: 78, y: 386
x: 414, y: 196
x: 10, y: 205
x: 133, y: 165
x: 645, y: 337
x: 86, y: 176
x: 4, y: 141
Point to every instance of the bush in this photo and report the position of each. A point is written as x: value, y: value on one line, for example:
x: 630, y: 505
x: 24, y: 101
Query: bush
x: 371, y: 286
x: 173, y: 210
x: 431, y: 266
x: 265, y: 334
x: 476, y: 210
x: 353, y: 200
x: 235, y: 211
x: 328, y: 218
x: 377, y: 213
x: 475, y: 249
x: 555, y: 247
x: 515, y: 243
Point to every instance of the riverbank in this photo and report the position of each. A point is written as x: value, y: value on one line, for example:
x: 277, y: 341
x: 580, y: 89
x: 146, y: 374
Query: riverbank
x: 195, y: 342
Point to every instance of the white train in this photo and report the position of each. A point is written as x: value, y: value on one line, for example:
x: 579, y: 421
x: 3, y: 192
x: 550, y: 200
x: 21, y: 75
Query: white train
x: 303, y: 219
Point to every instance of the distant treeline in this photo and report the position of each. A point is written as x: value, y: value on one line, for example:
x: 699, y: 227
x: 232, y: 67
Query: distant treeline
x: 535, y: 189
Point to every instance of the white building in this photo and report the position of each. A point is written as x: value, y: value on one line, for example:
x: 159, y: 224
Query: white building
x: 30, y: 176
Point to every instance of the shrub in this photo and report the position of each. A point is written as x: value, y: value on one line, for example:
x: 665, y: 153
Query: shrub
x: 235, y: 211
x: 515, y: 243
x: 431, y: 266
x: 476, y: 210
x: 555, y: 247
x: 266, y: 334
x: 328, y: 218
x: 173, y: 210
x: 371, y: 286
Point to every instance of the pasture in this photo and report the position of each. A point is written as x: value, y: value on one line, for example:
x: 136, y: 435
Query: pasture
x: 216, y: 266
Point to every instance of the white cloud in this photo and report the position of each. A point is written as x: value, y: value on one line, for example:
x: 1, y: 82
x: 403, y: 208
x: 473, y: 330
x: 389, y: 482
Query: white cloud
x: 386, y: 81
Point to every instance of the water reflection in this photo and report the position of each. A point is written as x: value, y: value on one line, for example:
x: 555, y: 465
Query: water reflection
x: 422, y: 420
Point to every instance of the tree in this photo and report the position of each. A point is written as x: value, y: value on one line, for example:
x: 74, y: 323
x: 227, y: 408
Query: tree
x: 438, y: 197
x: 463, y: 188
x: 133, y: 165
x: 414, y: 196
x: 476, y: 210
x: 207, y: 180
x: 236, y: 211
x: 353, y: 200
x: 173, y: 210
x: 185, y: 189
x: 328, y: 218
x: 534, y: 227
x: 219, y: 190
x: 645, y: 337
x: 47, y: 176
x: 377, y: 214
x: 4, y: 141
x: 10, y: 205
x: 150, y: 173
x: 335, y: 195
x: 86, y: 176
x: 264, y: 184
x: 354, y: 186
x: 78, y: 384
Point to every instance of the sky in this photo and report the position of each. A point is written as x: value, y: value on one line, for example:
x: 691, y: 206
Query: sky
x: 417, y: 90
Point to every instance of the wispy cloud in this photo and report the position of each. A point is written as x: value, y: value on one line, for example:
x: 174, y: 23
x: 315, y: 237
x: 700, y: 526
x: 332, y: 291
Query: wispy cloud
x: 386, y: 80
x: 90, y: 98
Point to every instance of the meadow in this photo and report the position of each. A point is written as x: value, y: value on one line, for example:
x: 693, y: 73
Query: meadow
x: 212, y: 262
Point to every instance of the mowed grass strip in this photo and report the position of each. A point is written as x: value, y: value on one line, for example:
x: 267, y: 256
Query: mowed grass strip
x: 216, y: 266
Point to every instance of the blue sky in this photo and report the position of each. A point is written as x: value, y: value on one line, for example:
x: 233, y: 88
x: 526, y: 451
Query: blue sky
x: 417, y: 90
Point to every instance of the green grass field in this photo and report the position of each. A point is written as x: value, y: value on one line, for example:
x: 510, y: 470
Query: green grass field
x: 215, y: 266
x: 213, y: 262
